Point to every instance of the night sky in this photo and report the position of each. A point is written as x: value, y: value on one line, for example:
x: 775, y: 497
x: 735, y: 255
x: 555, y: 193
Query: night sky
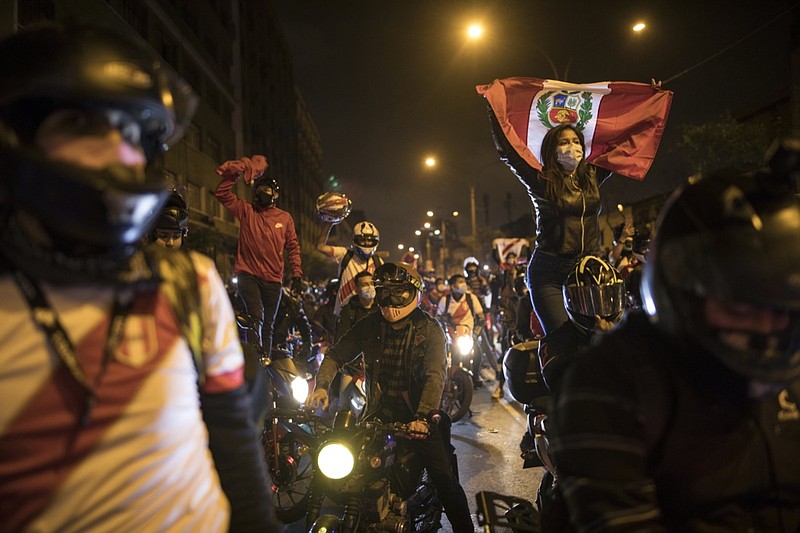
x: 389, y: 82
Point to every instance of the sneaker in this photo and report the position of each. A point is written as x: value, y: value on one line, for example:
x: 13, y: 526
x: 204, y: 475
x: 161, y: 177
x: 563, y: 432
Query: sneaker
x: 498, y: 392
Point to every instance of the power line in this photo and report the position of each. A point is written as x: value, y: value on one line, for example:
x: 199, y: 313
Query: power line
x: 706, y: 60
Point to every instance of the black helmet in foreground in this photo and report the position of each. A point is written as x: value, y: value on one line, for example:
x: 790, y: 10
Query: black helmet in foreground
x: 86, y: 215
x: 730, y: 243
x: 524, y: 374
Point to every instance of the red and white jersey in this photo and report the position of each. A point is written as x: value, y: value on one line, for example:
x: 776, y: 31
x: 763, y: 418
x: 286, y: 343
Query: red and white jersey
x: 347, y: 283
x: 459, y: 310
x: 142, y: 463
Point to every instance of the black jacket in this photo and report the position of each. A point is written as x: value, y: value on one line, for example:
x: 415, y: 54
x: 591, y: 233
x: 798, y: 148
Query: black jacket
x: 651, y: 434
x: 571, y: 228
x: 426, y: 360
x: 351, y: 313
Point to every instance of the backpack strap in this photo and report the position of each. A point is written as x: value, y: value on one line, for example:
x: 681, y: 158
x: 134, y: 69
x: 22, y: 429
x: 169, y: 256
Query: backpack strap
x: 180, y: 286
x: 345, y: 261
x: 377, y: 261
x: 470, y: 304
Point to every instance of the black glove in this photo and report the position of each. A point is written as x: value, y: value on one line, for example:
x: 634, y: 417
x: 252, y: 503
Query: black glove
x: 297, y: 285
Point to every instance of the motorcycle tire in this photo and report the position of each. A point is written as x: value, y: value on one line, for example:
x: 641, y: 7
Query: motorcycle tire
x: 291, y: 476
x: 553, y: 514
x: 457, y: 397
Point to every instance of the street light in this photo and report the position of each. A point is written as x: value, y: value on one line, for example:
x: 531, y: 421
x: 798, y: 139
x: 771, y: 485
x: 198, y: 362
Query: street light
x: 639, y: 26
x: 474, y: 31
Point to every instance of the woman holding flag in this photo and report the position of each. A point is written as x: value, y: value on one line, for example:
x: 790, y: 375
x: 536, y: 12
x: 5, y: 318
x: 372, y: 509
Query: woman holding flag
x: 553, y: 135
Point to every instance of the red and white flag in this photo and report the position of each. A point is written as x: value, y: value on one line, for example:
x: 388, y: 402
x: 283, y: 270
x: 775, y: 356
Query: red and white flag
x: 622, y: 122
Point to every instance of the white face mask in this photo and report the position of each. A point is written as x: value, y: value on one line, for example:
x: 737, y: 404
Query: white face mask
x: 367, y: 293
x: 569, y: 157
x: 458, y: 290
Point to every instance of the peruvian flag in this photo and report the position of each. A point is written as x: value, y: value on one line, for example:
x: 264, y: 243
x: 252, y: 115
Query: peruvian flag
x: 622, y: 122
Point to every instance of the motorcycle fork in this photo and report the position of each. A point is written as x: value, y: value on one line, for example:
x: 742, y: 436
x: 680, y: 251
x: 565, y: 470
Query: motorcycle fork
x: 315, y: 499
x: 351, y: 515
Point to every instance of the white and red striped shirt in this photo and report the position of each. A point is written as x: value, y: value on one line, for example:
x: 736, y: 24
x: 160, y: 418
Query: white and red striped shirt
x: 142, y: 463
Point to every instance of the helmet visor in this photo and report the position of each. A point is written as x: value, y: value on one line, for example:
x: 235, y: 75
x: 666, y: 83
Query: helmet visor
x: 395, y: 295
x: 367, y: 241
x: 390, y: 274
x: 595, y: 300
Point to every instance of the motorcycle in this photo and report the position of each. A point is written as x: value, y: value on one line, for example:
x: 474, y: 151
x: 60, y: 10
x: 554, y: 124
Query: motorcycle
x: 458, y: 385
x: 527, y: 386
x: 289, y: 435
x: 380, y: 483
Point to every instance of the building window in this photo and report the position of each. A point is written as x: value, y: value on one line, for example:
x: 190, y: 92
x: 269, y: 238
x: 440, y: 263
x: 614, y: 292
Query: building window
x: 213, y: 151
x: 195, y: 196
x: 192, y: 137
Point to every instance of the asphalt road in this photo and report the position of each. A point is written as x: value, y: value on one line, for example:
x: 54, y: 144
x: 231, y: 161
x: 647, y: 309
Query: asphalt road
x: 487, y: 445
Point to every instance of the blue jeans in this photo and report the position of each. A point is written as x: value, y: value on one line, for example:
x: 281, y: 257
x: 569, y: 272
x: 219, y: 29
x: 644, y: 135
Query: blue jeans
x: 546, y: 275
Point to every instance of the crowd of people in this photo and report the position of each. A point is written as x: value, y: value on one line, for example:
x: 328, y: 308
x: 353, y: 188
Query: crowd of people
x: 674, y: 396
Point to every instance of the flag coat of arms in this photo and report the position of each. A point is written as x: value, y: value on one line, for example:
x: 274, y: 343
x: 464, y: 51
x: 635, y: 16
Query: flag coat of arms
x: 622, y: 122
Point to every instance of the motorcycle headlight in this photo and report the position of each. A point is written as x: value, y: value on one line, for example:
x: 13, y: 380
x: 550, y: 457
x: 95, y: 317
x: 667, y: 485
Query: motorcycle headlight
x: 335, y: 460
x: 299, y: 389
x: 464, y: 344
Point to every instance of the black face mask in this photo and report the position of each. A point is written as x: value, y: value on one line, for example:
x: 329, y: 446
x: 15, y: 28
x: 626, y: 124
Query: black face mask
x: 263, y: 199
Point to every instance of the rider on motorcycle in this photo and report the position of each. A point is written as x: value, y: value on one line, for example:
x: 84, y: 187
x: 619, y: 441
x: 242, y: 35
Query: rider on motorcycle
x: 172, y: 225
x: 463, y: 311
x: 404, y: 362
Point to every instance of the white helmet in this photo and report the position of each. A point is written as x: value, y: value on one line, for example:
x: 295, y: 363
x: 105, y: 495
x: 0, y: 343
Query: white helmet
x: 471, y: 261
x: 365, y: 238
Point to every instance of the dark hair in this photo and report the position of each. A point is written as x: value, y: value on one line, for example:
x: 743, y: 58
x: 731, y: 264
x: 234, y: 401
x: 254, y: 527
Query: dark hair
x: 362, y: 274
x: 552, y: 173
x: 454, y: 278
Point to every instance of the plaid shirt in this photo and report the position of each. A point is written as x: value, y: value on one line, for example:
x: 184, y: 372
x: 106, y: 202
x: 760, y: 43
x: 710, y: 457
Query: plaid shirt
x: 393, y: 377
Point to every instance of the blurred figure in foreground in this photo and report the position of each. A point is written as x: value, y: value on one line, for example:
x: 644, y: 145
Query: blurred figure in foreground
x: 685, y: 417
x: 124, y: 406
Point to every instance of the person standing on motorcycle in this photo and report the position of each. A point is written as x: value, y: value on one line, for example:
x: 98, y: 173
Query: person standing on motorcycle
x: 124, y: 406
x: 685, y: 417
x: 404, y: 361
x: 361, y: 256
x: 265, y: 232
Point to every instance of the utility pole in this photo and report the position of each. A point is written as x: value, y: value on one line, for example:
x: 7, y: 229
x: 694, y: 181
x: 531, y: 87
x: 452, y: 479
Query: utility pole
x: 474, y: 221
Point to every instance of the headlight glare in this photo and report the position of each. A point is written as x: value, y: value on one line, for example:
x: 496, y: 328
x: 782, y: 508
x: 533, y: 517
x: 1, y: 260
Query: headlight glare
x: 335, y: 460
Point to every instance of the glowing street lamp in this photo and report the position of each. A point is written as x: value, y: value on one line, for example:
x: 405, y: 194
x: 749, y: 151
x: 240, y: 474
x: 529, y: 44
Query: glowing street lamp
x: 401, y: 246
x: 639, y: 26
x: 429, y: 213
x: 474, y: 31
x: 430, y: 162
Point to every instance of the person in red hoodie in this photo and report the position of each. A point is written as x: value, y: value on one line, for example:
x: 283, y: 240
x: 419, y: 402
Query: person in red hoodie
x: 265, y: 231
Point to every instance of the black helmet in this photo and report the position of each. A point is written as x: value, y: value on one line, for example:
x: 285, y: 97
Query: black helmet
x: 734, y: 240
x: 523, y: 373
x: 101, y: 212
x: 261, y: 197
x: 593, y: 288
x: 174, y: 215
